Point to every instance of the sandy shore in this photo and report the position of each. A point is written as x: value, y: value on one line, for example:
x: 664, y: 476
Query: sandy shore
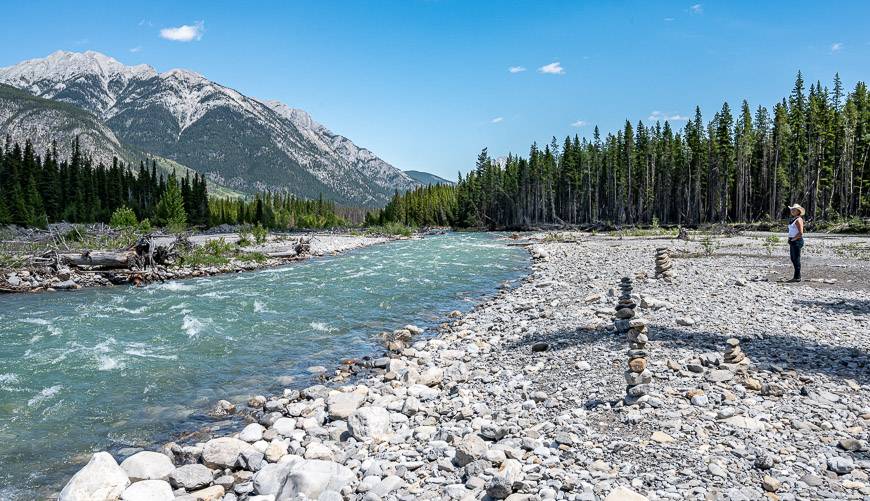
x: 522, y: 398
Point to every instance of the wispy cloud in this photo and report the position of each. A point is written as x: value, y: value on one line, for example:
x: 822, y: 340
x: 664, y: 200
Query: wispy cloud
x: 82, y: 41
x: 552, y: 69
x: 184, y: 33
x: 516, y: 69
x: 696, y: 9
x: 668, y: 19
x: 136, y: 49
x: 145, y: 22
x: 580, y: 123
x: 656, y: 116
x: 836, y: 47
x: 496, y: 120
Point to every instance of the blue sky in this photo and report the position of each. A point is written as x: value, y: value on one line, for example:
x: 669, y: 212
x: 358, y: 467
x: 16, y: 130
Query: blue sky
x: 425, y: 84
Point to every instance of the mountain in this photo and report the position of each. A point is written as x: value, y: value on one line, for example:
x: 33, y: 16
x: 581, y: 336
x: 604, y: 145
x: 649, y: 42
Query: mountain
x: 244, y: 143
x: 425, y: 178
x: 54, y: 124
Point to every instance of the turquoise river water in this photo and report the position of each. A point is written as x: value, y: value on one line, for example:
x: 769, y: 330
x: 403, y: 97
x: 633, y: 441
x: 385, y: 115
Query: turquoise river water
x: 105, y: 369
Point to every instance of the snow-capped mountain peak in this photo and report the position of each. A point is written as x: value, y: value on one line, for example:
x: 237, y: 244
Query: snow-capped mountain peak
x: 239, y: 141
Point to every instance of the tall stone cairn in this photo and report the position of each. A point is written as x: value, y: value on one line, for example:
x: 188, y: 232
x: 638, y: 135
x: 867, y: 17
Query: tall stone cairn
x: 638, y: 376
x: 663, y: 264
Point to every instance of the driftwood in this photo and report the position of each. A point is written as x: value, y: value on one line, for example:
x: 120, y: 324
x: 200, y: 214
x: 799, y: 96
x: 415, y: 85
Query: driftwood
x: 102, y: 259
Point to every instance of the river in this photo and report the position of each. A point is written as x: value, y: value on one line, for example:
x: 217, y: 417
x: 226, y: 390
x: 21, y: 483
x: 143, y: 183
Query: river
x: 125, y: 367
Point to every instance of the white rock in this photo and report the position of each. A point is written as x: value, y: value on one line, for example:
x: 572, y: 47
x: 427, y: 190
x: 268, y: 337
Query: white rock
x: 148, y: 465
x: 370, y: 423
x: 311, y: 477
x: 252, y: 433
x: 148, y: 490
x: 100, y: 479
x: 341, y: 405
x: 623, y: 493
x: 224, y: 452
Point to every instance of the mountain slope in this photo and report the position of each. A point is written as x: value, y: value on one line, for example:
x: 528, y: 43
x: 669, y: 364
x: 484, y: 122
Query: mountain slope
x: 47, y: 123
x: 426, y: 178
x: 235, y: 140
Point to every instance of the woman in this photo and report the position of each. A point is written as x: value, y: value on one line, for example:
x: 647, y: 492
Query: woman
x: 796, y: 239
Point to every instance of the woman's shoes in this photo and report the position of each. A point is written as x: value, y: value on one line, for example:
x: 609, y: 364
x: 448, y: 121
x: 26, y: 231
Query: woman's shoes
x: 794, y: 280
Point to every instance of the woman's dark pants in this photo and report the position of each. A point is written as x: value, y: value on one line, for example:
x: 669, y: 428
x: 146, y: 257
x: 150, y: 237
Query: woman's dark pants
x: 794, y: 250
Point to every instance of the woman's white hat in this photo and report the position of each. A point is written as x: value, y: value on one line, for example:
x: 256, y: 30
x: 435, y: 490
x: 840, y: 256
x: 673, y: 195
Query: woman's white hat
x: 798, y: 208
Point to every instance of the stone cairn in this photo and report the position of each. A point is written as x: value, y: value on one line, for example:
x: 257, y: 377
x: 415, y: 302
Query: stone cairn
x: 637, y: 377
x: 733, y: 354
x: 664, y: 264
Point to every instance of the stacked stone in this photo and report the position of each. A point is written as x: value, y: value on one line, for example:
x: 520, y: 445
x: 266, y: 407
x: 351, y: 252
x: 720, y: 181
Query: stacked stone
x: 664, y: 264
x: 733, y: 354
x: 637, y: 377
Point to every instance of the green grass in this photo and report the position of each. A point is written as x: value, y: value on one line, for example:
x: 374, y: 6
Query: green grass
x: 395, y: 229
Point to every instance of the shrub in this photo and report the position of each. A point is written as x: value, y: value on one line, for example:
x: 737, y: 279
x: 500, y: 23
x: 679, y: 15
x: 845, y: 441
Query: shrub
x: 770, y: 243
x: 123, y: 217
x: 244, y: 237
x: 260, y: 234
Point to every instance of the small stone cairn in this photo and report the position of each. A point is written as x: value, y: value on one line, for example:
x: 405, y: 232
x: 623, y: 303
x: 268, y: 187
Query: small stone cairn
x: 663, y: 264
x: 733, y: 354
x: 637, y: 377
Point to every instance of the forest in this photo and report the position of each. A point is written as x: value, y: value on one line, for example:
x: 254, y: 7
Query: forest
x: 36, y: 190
x: 746, y: 165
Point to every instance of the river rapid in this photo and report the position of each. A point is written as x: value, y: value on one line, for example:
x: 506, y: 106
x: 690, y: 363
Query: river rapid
x: 122, y: 368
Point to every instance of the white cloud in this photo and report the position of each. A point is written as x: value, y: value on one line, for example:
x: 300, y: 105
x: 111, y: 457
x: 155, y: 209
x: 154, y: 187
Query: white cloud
x: 668, y: 19
x: 496, y: 120
x: 836, y: 47
x: 656, y: 116
x: 145, y: 22
x: 516, y: 69
x: 184, y: 33
x: 697, y: 9
x: 552, y: 69
x: 136, y: 49
x: 580, y: 123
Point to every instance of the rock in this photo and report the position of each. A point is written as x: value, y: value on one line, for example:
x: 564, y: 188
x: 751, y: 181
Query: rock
x: 224, y: 452
x: 685, y: 321
x: 252, y: 433
x: 317, y: 450
x: 770, y: 484
x: 191, y: 477
x: 65, y: 285
x: 431, y: 376
x: 841, y: 465
x: 662, y: 438
x: 746, y: 423
x: 719, y: 375
x: 500, y: 486
x: 100, y: 479
x: 469, y: 449
x: 271, y: 477
x: 311, y: 477
x: 213, y: 493
x: 341, y: 405
x: 370, y: 423
x: 148, y: 490
x: 623, y: 493
x: 387, y: 485
x: 64, y: 273
x: 539, y: 347
x: 147, y: 465
x: 284, y: 426
x: 716, y: 470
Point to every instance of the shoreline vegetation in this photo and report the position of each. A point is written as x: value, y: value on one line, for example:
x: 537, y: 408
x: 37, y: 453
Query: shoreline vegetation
x: 520, y: 398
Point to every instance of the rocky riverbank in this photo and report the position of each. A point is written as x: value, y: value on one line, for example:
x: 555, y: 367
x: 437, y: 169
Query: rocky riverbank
x: 276, y: 251
x: 523, y: 398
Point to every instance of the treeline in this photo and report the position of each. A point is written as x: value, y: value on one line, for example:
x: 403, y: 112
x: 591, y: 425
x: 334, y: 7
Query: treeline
x: 811, y: 148
x: 433, y: 205
x: 275, y: 211
x: 39, y: 189
x: 36, y: 190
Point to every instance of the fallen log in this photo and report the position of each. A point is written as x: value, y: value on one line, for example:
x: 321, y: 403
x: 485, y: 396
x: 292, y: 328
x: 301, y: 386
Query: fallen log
x: 102, y: 259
